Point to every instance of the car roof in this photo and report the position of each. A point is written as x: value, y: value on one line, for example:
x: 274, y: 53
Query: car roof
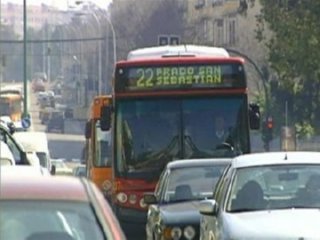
x: 42, y: 187
x: 23, y: 171
x: 276, y: 158
x: 39, y: 141
x: 197, y: 162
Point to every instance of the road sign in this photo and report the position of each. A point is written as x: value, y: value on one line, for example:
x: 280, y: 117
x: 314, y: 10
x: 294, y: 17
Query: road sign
x: 26, y: 122
x: 168, y: 40
x: 174, y: 40
x: 163, y: 40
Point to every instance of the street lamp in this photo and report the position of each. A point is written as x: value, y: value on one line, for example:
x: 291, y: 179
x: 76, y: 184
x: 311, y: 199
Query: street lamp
x: 114, y: 41
x: 99, y: 48
x: 79, y: 79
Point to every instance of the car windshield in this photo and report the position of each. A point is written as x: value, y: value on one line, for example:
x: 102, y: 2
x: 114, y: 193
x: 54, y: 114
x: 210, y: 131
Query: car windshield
x: 43, y: 158
x: 49, y: 219
x: 192, y: 183
x: 275, y: 187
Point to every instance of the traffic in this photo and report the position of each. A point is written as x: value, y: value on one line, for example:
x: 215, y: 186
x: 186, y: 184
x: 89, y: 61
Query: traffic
x: 193, y: 130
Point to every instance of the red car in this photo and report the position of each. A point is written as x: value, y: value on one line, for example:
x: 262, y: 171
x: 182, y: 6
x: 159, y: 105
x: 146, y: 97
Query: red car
x: 40, y: 206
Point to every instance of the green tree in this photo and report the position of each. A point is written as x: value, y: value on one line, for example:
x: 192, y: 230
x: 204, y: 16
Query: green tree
x: 139, y: 22
x: 294, y: 54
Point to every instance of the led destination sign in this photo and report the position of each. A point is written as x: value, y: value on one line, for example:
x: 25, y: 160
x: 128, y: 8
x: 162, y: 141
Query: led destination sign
x: 179, y: 77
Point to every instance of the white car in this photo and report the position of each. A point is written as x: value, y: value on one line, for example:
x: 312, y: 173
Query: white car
x: 6, y: 156
x: 265, y: 196
x: 25, y: 171
x: 61, y: 167
x: 38, y: 145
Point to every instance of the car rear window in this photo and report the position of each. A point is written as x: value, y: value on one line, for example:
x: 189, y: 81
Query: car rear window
x: 46, y: 219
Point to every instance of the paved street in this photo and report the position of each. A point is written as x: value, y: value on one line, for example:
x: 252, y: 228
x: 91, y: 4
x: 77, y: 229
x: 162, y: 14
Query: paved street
x: 69, y: 145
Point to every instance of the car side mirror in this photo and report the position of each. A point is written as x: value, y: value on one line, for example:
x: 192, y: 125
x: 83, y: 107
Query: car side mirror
x: 12, y: 128
x: 88, y: 130
x: 53, y: 170
x: 105, y: 121
x: 208, y: 207
x: 254, y: 116
x: 149, y: 198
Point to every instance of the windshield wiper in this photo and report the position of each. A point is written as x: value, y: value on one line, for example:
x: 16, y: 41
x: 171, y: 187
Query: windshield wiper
x: 180, y: 200
x: 246, y: 210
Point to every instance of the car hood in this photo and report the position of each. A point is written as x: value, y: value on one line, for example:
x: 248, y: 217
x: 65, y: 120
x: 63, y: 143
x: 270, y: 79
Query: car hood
x: 180, y: 213
x: 273, y: 224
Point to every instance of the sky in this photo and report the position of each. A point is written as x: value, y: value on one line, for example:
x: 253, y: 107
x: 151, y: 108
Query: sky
x: 61, y: 4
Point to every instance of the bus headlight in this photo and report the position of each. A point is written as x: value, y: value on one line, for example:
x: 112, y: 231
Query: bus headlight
x: 189, y: 232
x: 142, y: 203
x: 122, y: 197
x: 106, y: 185
x: 176, y: 233
x: 132, y: 198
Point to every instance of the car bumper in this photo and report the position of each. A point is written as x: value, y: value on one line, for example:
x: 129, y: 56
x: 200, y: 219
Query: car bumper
x: 131, y: 215
x: 133, y: 222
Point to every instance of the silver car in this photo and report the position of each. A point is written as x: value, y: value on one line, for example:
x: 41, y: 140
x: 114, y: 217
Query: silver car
x: 265, y: 196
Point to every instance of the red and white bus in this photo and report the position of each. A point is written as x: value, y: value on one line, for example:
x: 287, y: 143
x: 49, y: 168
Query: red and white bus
x: 165, y: 100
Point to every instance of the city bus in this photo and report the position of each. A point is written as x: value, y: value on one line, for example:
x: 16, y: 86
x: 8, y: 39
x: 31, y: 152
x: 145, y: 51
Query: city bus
x: 97, y: 147
x: 165, y: 100
x: 11, y: 104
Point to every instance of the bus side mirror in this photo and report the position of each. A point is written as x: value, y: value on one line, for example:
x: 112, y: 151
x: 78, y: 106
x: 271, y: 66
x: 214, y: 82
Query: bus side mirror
x: 254, y: 116
x: 88, y: 130
x: 105, y: 121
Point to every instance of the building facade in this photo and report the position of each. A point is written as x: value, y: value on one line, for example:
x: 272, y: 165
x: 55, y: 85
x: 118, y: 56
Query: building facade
x: 37, y: 16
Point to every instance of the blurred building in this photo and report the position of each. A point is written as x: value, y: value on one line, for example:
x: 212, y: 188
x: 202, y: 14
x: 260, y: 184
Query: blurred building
x: 37, y: 16
x: 230, y: 24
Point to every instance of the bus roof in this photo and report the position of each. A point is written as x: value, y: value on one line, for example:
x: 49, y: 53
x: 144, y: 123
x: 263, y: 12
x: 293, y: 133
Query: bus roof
x: 178, y: 50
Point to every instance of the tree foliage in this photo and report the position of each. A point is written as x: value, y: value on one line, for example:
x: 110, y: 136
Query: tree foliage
x: 294, y: 54
x: 138, y: 23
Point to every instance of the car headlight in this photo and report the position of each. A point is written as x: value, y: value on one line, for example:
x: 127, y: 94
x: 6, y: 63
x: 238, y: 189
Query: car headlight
x: 122, y: 197
x: 132, y: 198
x: 189, y: 232
x: 106, y: 185
x: 176, y: 233
x: 142, y: 203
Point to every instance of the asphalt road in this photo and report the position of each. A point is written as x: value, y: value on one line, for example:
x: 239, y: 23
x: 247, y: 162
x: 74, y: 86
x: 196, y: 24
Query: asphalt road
x: 66, y: 145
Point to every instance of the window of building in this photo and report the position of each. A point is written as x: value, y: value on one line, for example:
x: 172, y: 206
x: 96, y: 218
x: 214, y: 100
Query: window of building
x: 205, y: 29
x: 220, y: 32
x: 232, y: 32
x: 200, y: 4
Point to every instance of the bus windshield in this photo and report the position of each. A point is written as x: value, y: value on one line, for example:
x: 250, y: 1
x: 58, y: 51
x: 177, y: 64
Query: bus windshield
x: 103, y: 147
x: 152, y: 132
